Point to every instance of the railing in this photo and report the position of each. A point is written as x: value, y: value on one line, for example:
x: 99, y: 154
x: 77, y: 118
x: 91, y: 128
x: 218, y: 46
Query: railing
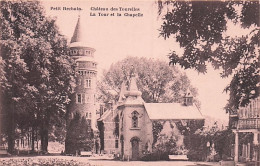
x: 253, y: 123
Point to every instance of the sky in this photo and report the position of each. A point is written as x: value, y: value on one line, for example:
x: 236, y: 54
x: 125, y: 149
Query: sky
x: 116, y: 37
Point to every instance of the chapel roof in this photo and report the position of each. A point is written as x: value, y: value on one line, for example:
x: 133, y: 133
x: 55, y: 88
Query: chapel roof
x: 173, y: 111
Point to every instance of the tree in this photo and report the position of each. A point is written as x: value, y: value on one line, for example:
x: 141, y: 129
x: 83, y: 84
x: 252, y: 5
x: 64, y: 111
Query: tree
x: 200, y: 27
x: 79, y: 135
x: 157, y: 81
x: 38, y: 71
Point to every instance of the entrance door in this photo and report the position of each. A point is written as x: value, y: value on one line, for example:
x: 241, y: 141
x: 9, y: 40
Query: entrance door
x: 135, y: 149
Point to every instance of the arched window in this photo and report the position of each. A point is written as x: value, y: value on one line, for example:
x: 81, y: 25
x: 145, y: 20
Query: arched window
x: 135, y: 119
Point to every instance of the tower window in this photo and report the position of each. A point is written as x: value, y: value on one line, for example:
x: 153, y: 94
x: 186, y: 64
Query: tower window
x: 90, y: 115
x: 88, y: 83
x: 80, y: 51
x: 87, y: 115
x: 79, y: 98
x: 135, y: 119
x: 82, y: 72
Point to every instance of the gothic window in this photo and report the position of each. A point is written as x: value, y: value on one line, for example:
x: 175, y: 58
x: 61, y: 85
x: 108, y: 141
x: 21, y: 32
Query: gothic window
x: 135, y: 119
x: 90, y: 115
x: 87, y: 115
x: 88, y: 83
x: 79, y: 98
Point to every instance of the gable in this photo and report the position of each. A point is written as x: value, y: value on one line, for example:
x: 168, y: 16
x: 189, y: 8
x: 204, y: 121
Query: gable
x: 172, y: 111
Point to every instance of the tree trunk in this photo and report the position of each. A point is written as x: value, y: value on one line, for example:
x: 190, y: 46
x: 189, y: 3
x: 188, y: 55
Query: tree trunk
x: 33, y: 138
x: 44, y: 133
x: 10, y: 131
x: 11, y: 141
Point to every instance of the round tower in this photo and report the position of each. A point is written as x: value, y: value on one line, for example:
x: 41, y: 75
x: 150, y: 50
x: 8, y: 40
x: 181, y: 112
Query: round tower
x: 83, y: 100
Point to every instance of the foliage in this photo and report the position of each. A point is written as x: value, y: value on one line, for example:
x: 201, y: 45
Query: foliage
x: 189, y: 127
x: 157, y: 128
x: 223, y: 143
x: 166, y: 143
x: 222, y: 140
x: 200, y: 28
x: 39, y: 162
x: 164, y: 146
x: 157, y: 81
x: 38, y: 73
x: 79, y: 135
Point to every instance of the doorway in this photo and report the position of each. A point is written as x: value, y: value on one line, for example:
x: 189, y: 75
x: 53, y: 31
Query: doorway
x: 135, y: 149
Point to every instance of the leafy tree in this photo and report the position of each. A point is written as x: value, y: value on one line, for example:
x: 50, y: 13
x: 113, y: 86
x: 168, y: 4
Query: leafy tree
x: 38, y: 72
x: 165, y: 146
x: 157, y: 81
x: 200, y: 29
x: 79, y: 135
x: 223, y: 141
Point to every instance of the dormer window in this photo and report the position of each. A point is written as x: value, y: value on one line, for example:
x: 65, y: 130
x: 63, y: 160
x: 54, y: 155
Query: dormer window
x: 188, y: 98
x: 135, y: 119
x: 188, y: 101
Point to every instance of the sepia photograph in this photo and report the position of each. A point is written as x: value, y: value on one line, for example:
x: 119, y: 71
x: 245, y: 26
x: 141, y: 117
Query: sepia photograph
x: 129, y: 83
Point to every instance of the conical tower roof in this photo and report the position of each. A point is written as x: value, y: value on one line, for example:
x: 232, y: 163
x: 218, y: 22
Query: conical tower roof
x: 78, y: 33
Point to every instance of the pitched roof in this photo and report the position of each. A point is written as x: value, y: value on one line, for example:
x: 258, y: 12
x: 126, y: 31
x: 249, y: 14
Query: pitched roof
x: 166, y: 111
x: 188, y: 93
x: 105, y: 115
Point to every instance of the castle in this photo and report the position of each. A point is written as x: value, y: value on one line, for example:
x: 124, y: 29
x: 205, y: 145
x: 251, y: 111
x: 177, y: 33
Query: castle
x: 84, y: 97
x: 126, y: 128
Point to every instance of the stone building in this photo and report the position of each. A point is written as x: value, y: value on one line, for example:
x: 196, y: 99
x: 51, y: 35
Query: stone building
x: 83, y: 100
x: 127, y: 129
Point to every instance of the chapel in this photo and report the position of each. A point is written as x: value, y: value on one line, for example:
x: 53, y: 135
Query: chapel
x: 126, y: 129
